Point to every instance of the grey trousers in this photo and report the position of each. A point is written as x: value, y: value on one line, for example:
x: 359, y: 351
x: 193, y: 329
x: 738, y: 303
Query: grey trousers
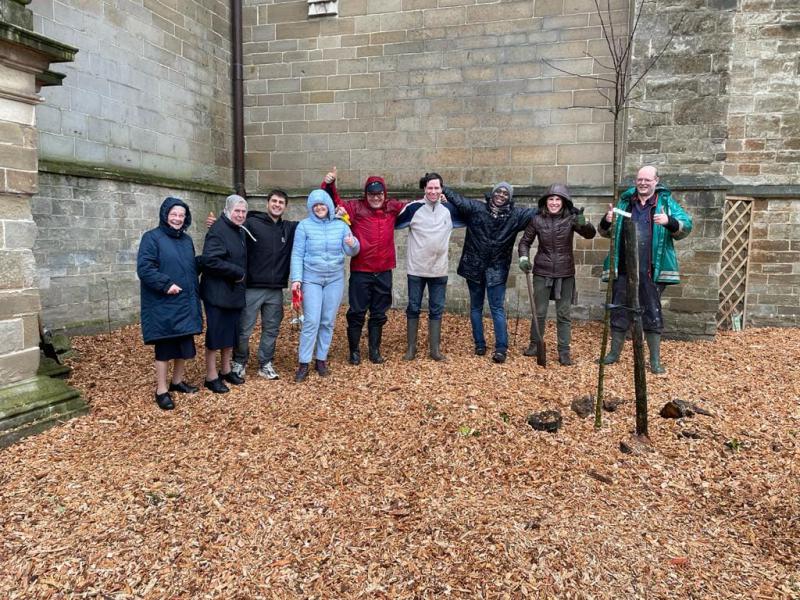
x: 269, y: 304
x: 563, y: 307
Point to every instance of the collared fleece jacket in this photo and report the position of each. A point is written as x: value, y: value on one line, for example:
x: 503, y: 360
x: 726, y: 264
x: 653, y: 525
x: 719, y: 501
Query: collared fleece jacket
x: 429, y: 227
x: 319, y: 249
x: 374, y: 228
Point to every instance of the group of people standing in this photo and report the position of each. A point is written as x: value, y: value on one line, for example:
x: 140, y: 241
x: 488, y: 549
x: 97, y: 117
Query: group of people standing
x: 250, y: 257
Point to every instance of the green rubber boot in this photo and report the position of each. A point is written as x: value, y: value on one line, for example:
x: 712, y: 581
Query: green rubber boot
x: 434, y: 339
x: 617, y: 342
x: 654, y: 344
x: 412, y: 325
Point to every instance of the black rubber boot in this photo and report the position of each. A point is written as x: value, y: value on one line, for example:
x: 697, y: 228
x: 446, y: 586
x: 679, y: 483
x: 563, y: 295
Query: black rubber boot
x: 617, y: 342
x: 374, y: 341
x: 654, y: 344
x: 412, y: 325
x: 564, y: 358
x: 353, y: 341
x: 435, y: 339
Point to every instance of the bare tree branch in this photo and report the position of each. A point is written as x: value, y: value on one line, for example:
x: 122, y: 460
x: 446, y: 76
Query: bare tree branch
x: 571, y: 73
x: 658, y: 55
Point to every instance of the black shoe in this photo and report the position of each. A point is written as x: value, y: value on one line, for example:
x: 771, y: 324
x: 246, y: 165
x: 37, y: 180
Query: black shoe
x: 164, y: 401
x: 232, y: 377
x: 480, y: 350
x: 322, y: 368
x: 302, y: 372
x: 183, y: 388
x: 499, y: 357
x: 216, y: 386
x: 564, y: 358
x: 355, y: 358
x: 375, y: 356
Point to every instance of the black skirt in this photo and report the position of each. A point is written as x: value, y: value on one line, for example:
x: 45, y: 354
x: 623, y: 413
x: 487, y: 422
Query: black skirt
x: 222, y: 326
x: 177, y: 347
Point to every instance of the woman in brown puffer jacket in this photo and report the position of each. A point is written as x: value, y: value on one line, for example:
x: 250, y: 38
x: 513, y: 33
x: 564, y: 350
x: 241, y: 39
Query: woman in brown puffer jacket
x: 554, y: 265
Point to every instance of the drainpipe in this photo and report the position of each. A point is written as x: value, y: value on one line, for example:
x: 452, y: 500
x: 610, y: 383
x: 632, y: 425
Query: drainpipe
x: 238, y: 97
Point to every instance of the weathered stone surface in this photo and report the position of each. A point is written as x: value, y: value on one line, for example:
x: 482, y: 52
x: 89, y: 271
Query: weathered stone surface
x: 34, y: 404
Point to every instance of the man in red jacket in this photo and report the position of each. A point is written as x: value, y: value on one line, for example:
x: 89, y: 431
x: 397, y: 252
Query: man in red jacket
x: 372, y: 218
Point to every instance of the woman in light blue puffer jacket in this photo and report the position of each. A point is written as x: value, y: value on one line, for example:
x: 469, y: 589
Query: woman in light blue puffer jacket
x: 320, y: 244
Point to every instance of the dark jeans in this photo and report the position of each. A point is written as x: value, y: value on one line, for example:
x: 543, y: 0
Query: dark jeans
x: 368, y: 291
x: 649, y: 301
x: 269, y: 304
x: 437, y: 289
x: 496, y: 295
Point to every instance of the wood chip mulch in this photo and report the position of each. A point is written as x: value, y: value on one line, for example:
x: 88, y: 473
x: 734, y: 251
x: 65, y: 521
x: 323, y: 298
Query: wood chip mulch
x: 414, y: 480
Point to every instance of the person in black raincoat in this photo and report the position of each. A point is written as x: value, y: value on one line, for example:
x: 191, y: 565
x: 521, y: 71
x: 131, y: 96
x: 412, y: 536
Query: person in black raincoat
x: 492, y: 228
x: 170, y: 297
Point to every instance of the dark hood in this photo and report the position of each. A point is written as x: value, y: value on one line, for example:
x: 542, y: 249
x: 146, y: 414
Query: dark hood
x: 167, y: 206
x: 560, y: 190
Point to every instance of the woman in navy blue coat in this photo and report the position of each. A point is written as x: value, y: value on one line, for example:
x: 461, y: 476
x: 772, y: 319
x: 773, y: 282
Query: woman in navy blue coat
x: 170, y: 297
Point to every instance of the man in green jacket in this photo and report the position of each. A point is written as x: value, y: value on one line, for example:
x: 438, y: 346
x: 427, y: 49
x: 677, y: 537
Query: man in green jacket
x: 659, y: 220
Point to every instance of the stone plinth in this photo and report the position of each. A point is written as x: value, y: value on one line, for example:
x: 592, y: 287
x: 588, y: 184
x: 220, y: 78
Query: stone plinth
x: 28, y: 402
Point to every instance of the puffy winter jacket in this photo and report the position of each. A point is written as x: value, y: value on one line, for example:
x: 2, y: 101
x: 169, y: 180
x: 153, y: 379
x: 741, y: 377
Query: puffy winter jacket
x: 269, y: 254
x: 665, y: 261
x: 374, y: 228
x: 224, y: 264
x: 166, y: 257
x: 319, y: 249
x: 489, y: 243
x: 554, y: 257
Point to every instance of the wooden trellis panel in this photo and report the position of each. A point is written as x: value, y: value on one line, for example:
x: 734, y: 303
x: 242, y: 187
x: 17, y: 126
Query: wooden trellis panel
x: 733, y: 279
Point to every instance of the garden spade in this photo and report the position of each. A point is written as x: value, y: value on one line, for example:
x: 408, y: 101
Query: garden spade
x: 541, y: 349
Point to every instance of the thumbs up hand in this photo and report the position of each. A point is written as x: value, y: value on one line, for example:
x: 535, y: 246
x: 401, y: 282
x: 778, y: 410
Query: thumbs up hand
x: 330, y: 176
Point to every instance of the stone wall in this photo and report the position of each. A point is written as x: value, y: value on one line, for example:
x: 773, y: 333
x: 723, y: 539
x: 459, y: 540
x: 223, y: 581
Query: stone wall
x: 763, y: 144
x: 402, y: 87
x: 773, y: 295
x: 149, y: 90
x: 680, y: 118
x: 89, y: 232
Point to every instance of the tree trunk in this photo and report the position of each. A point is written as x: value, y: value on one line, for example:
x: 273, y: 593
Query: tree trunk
x: 612, y: 271
x: 639, y: 378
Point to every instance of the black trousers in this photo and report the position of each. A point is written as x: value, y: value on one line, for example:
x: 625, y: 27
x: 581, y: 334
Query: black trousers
x: 649, y: 301
x: 368, y: 292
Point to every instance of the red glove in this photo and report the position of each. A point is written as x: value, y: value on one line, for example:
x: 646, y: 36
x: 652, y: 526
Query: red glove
x: 297, y: 300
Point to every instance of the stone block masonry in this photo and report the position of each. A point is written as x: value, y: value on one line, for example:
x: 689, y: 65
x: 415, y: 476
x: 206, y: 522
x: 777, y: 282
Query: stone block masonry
x: 148, y: 91
x: 773, y: 297
x: 89, y: 232
x: 454, y: 86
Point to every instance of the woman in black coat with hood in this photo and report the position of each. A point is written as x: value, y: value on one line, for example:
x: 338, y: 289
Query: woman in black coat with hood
x: 222, y: 288
x: 170, y: 297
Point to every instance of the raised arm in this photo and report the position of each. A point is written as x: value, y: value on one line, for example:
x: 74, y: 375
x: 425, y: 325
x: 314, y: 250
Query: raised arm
x: 465, y: 206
